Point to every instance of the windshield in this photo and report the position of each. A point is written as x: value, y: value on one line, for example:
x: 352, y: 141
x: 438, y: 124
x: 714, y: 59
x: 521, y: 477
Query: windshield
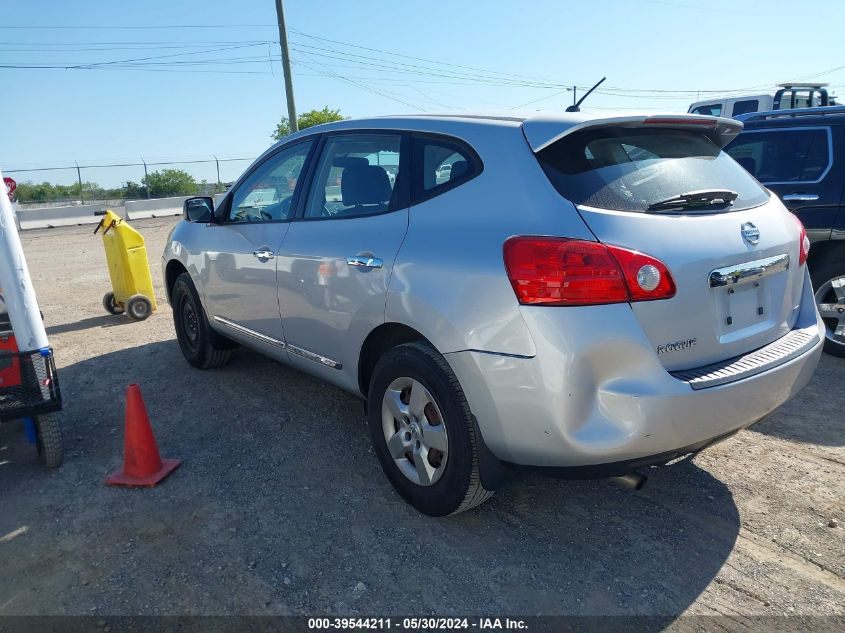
x: 628, y: 169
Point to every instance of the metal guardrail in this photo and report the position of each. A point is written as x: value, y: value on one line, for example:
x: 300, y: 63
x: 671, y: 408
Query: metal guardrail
x: 74, y: 215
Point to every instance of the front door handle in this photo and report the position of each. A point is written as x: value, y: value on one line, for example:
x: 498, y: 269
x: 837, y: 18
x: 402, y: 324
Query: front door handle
x: 263, y: 254
x: 800, y: 197
x: 364, y: 261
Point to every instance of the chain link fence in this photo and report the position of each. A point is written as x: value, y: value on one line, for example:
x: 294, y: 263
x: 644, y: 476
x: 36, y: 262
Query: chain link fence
x: 114, y: 183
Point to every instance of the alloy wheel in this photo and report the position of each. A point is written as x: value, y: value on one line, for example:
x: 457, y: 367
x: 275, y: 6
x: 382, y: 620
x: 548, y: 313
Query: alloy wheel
x: 830, y: 299
x: 415, y: 431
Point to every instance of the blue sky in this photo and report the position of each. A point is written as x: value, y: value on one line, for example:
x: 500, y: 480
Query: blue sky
x: 471, y: 55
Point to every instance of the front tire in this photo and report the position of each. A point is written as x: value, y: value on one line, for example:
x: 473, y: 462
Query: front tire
x: 201, y: 346
x: 423, y: 432
x: 829, y: 285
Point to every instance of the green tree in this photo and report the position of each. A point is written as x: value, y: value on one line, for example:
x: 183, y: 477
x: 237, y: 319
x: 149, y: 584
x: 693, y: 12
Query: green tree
x: 48, y: 192
x: 168, y: 182
x: 306, y: 120
x: 133, y: 190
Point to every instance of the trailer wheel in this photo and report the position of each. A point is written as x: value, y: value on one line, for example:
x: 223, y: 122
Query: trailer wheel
x: 110, y: 304
x: 138, y: 307
x: 48, y: 440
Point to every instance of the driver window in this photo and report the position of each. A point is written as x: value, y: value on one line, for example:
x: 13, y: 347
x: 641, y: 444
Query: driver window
x: 356, y: 175
x: 267, y: 194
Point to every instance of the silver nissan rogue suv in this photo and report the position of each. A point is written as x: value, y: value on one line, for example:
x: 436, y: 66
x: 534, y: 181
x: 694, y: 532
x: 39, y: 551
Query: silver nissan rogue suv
x: 581, y: 295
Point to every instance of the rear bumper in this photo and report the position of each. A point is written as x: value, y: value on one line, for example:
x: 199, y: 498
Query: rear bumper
x: 596, y: 395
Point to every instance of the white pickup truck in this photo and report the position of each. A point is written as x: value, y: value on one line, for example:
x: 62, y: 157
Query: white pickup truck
x: 788, y: 96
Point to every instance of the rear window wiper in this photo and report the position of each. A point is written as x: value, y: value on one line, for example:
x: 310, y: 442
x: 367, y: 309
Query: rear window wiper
x: 696, y: 200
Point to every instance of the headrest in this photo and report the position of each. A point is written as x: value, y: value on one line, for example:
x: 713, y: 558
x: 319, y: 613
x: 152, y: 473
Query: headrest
x: 364, y: 184
x: 349, y: 161
x: 459, y: 168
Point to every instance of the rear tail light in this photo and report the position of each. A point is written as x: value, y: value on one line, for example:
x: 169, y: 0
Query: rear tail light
x: 803, y: 243
x: 560, y: 271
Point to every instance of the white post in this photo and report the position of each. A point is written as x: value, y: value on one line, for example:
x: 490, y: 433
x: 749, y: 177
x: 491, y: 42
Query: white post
x: 18, y: 293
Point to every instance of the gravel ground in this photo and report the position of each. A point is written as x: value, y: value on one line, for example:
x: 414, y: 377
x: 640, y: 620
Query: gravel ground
x: 280, y: 506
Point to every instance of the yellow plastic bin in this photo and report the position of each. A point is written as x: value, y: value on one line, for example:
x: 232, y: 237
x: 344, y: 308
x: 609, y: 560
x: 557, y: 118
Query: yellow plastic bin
x: 129, y: 269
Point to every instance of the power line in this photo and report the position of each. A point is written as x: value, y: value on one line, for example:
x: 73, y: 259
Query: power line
x: 522, y: 105
x: 365, y: 87
x: 441, y: 70
x: 401, y: 65
x: 395, y: 54
x: 141, y: 59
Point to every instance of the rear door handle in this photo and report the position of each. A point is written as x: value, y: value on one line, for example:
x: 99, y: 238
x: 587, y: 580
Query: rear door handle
x: 264, y: 254
x: 800, y: 197
x: 363, y: 261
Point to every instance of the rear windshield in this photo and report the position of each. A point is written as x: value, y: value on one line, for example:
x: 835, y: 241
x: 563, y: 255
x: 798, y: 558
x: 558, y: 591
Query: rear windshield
x: 627, y: 169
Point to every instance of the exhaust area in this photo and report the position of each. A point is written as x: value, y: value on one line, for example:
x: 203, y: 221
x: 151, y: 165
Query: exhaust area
x: 631, y: 481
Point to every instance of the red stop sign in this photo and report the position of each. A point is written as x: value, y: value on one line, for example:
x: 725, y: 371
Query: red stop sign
x: 11, y: 185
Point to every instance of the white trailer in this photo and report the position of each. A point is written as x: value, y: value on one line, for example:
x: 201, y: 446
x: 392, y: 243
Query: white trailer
x: 29, y: 388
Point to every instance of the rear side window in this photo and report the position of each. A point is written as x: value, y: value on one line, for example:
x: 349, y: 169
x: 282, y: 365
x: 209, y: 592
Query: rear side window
x: 631, y: 169
x: 714, y: 109
x: 783, y: 155
x: 440, y: 164
x: 744, y: 107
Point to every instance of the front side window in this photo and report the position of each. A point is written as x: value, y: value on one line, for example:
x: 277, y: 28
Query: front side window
x: 784, y: 155
x: 267, y: 193
x: 356, y: 175
x: 637, y: 169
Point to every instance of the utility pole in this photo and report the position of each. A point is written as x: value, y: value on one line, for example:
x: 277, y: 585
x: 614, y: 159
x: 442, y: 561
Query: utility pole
x: 574, y: 94
x: 79, y: 178
x: 146, y: 178
x: 283, y: 43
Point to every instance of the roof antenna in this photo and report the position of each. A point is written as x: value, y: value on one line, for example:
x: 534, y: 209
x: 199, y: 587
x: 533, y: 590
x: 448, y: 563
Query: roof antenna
x: 576, y: 108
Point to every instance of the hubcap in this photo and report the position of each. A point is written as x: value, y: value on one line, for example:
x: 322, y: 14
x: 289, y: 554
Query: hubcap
x: 830, y: 299
x: 189, y: 322
x: 415, y: 431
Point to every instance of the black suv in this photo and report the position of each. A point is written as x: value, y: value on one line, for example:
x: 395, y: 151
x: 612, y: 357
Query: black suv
x: 800, y: 155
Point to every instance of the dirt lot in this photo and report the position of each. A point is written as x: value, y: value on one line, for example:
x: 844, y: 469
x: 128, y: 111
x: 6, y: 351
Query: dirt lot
x: 280, y: 506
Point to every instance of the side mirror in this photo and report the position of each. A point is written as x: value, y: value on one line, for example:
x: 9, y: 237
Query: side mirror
x: 199, y: 209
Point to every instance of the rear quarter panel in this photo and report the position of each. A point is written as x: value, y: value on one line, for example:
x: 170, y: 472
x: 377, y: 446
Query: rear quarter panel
x: 449, y: 281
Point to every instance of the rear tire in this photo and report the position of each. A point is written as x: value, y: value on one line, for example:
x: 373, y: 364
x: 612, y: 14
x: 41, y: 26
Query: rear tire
x: 830, y: 299
x: 48, y: 440
x: 457, y: 486
x: 110, y: 304
x: 201, y: 346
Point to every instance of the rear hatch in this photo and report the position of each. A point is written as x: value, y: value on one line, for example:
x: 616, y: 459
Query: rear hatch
x: 662, y: 186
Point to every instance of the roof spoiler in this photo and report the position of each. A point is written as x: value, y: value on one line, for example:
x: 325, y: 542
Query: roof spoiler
x: 544, y: 131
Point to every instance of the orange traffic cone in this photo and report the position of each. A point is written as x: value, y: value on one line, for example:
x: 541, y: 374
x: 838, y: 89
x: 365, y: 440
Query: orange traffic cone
x: 142, y: 465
